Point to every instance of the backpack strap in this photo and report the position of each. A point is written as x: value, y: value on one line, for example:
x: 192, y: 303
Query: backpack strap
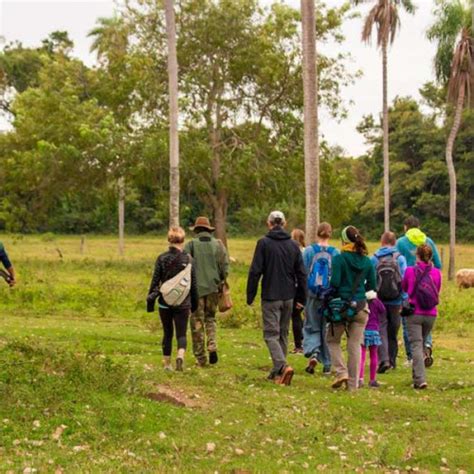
x: 419, y: 276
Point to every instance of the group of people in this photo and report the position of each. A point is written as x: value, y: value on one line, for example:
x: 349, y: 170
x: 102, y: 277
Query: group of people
x: 400, y: 282
x: 398, y: 285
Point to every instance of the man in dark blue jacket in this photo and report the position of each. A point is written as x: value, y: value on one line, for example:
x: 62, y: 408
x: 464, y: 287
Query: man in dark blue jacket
x: 10, y: 277
x: 278, y: 261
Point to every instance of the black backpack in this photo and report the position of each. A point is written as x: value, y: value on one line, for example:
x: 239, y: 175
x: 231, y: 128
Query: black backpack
x: 389, y: 278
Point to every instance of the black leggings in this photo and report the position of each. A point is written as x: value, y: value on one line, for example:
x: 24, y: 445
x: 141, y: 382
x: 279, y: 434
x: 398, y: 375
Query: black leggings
x: 174, y: 318
x: 297, y: 326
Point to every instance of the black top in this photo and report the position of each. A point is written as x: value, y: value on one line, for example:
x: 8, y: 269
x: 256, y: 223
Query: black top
x: 278, y: 259
x: 168, y: 265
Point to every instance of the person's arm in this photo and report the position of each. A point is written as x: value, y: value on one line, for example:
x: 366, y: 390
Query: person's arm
x: 371, y: 279
x: 402, y: 263
x: 336, y: 272
x: 308, y: 257
x: 7, y: 264
x: 194, y: 290
x: 255, y: 272
x: 436, y: 260
x: 157, y: 275
x: 301, y: 283
x: 223, y: 262
x: 406, y: 280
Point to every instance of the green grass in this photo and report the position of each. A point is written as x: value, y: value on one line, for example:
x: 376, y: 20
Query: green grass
x: 78, y: 355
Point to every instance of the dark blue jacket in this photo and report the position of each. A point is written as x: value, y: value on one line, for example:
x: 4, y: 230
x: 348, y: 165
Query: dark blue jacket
x: 4, y: 257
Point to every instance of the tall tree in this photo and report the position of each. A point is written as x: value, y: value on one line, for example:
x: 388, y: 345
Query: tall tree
x: 385, y: 18
x: 311, y: 139
x: 454, y: 65
x: 173, y: 112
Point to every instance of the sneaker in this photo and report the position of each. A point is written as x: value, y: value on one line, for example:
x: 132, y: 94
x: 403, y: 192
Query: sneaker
x: 311, y: 365
x: 374, y: 384
x: 327, y: 370
x: 340, y: 381
x: 213, y: 357
x: 428, y: 357
x: 179, y: 364
x: 361, y: 383
x: 168, y: 368
x: 286, y: 376
x: 408, y: 363
x: 420, y: 386
x: 297, y: 350
x: 383, y: 367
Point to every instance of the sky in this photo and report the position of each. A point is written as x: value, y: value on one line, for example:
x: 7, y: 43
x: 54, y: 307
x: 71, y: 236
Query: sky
x: 410, y: 58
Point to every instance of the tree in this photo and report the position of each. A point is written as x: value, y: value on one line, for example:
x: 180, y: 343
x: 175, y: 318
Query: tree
x: 311, y: 138
x: 173, y: 112
x: 385, y: 18
x: 454, y: 65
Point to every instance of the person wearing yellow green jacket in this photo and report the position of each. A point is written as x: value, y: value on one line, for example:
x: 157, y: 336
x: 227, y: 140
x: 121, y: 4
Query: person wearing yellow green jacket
x: 407, y: 245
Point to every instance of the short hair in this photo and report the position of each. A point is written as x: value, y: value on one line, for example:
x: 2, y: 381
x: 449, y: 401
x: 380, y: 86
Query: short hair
x: 324, y: 230
x: 276, y: 218
x: 411, y: 222
x: 176, y: 235
x: 389, y: 238
x: 425, y: 253
x: 298, y: 236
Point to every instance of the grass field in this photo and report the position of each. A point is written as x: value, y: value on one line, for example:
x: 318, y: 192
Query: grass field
x: 79, y: 355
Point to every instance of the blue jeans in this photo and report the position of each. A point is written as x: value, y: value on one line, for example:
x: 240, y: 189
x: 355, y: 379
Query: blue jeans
x: 428, y: 341
x: 314, y: 333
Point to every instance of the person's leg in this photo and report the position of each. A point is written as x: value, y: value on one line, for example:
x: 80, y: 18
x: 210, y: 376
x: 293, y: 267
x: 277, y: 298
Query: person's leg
x: 392, y: 332
x: 197, y: 332
x: 271, y: 333
x: 311, y: 334
x: 333, y: 338
x: 324, y: 352
x: 356, y: 334
x: 373, y: 363
x: 297, y: 326
x: 363, y: 352
x: 406, y: 340
x: 180, y: 318
x: 384, y: 348
x: 286, y: 310
x: 167, y: 323
x: 415, y: 334
x: 427, y: 341
x: 210, y: 321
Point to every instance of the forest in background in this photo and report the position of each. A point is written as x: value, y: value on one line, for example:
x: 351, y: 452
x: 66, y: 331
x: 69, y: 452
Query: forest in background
x: 78, y: 131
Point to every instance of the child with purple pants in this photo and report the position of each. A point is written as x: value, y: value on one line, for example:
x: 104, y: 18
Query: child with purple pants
x: 372, y: 339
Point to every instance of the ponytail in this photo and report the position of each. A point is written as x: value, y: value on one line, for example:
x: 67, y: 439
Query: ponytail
x: 355, y: 237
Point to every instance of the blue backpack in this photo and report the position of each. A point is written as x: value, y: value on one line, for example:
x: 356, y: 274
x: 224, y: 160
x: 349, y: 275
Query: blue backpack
x: 321, y: 268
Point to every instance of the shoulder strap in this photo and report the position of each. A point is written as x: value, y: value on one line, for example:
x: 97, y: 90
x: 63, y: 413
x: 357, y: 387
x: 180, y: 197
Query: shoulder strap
x: 419, y: 276
x: 316, y: 248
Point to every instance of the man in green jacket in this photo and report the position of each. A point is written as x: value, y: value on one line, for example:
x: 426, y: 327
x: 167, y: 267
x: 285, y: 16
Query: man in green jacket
x: 212, y: 266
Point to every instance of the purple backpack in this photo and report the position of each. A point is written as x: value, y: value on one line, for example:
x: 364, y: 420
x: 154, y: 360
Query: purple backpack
x: 425, y: 291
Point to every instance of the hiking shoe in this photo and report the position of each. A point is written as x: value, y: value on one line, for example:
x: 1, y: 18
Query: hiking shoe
x: 428, y: 357
x: 201, y: 362
x: 285, y: 377
x: 297, y: 350
x: 361, y: 383
x: 179, y: 364
x: 168, y: 368
x: 374, y: 384
x: 213, y: 357
x: 340, y: 381
x: 420, y: 386
x: 383, y: 367
x: 327, y: 370
x: 311, y: 365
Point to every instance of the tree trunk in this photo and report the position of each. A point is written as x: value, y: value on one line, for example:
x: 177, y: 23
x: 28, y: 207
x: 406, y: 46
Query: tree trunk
x: 386, y: 162
x: 173, y: 112
x: 311, y: 142
x: 220, y: 217
x: 121, y: 214
x: 452, y: 180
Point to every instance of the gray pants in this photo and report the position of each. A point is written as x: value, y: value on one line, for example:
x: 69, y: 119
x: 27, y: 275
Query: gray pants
x: 355, y: 331
x: 276, y: 321
x: 418, y: 328
x: 389, y: 326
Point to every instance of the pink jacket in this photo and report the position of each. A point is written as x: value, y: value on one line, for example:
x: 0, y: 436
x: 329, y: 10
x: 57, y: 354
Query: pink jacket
x: 408, y: 284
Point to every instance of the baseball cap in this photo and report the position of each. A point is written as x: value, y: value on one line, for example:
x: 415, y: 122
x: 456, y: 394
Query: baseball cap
x: 275, y: 216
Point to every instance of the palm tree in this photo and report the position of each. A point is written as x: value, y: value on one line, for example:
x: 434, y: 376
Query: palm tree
x: 173, y: 111
x: 454, y: 66
x: 385, y: 17
x: 311, y: 140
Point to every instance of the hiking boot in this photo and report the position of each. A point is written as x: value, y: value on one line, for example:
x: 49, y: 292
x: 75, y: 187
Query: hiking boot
x: 374, y: 384
x: 213, y: 357
x: 311, y: 365
x: 361, y: 383
x: 327, y: 370
x: 285, y: 377
x: 428, y: 353
x: 340, y: 381
x: 201, y: 362
x: 420, y: 386
x: 383, y: 367
x: 179, y: 364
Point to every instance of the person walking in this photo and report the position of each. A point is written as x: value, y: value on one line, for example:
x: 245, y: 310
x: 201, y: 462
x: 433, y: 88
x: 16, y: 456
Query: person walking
x: 278, y: 262
x: 9, y: 275
x: 317, y: 259
x: 390, y: 266
x: 212, y: 268
x: 407, y: 246
x: 174, y: 318
x: 372, y: 340
x: 296, y: 316
x: 422, y: 284
x: 352, y: 275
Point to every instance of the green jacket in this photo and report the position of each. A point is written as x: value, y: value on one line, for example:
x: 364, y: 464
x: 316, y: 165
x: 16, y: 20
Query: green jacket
x: 345, y: 268
x: 211, y: 262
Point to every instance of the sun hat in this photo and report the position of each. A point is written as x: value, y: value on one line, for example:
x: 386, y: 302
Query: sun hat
x: 203, y: 223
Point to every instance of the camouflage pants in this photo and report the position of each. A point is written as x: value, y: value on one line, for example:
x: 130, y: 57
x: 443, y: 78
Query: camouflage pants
x: 203, y: 325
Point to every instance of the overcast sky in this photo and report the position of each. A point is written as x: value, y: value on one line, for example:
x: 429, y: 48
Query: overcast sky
x: 410, y: 58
